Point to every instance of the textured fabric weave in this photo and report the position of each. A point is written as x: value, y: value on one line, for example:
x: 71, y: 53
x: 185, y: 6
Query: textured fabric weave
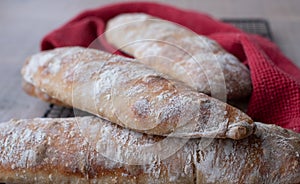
x: 276, y: 80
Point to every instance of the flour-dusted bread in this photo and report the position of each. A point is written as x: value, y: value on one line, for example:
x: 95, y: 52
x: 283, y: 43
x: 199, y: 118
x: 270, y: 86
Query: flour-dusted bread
x: 174, y: 50
x: 92, y: 150
x: 36, y: 92
x: 128, y: 93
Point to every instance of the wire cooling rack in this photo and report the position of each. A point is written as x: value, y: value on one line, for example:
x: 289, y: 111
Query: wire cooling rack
x: 254, y: 26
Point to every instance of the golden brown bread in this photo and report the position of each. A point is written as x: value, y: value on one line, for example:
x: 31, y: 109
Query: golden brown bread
x: 128, y: 93
x: 36, y: 92
x: 172, y: 49
x: 92, y: 150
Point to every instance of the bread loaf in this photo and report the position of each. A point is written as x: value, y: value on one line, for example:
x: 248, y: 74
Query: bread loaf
x: 92, y: 150
x: 128, y: 93
x: 174, y: 50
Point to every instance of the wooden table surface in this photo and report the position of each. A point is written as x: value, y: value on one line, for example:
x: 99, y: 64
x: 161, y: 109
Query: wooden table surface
x: 24, y: 22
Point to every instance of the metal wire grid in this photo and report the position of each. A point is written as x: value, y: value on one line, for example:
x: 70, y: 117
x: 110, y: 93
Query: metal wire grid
x: 254, y: 26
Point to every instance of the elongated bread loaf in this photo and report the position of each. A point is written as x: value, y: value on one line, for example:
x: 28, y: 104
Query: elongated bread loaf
x: 91, y: 150
x: 172, y: 49
x: 128, y: 93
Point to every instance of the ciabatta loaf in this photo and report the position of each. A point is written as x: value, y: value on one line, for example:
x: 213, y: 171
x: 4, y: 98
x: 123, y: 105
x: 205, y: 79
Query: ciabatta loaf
x: 128, y: 93
x: 91, y: 150
x: 172, y: 49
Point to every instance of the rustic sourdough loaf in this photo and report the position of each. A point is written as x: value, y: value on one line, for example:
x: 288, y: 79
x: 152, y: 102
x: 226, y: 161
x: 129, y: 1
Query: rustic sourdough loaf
x: 128, y: 93
x: 172, y: 49
x: 92, y: 150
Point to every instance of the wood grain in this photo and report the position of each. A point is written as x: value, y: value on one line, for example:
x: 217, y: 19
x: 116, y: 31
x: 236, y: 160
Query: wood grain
x: 24, y: 23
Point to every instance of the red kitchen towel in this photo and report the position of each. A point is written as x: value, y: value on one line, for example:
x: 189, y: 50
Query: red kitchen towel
x: 276, y: 80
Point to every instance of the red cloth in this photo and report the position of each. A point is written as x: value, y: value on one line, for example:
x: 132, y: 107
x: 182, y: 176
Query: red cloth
x: 276, y: 80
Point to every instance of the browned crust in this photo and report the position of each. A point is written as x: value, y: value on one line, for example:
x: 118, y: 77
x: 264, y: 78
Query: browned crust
x: 176, y: 51
x: 35, y: 92
x: 130, y: 94
x: 59, y: 151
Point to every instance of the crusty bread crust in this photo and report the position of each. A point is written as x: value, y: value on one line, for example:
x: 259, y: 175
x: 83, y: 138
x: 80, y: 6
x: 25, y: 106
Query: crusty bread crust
x: 128, y: 93
x: 92, y: 150
x: 172, y: 49
x: 36, y: 92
